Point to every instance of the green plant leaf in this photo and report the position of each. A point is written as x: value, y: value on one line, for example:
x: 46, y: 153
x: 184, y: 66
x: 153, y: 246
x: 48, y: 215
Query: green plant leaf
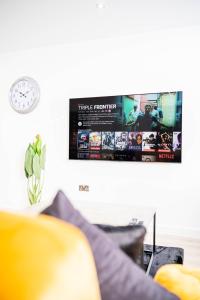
x: 34, y: 146
x: 36, y: 166
x: 43, y: 157
x: 31, y: 197
x: 38, y: 145
x: 32, y: 149
x: 26, y: 173
x: 28, y: 164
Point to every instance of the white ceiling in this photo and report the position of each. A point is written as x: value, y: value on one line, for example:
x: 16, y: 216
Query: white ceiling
x: 34, y: 23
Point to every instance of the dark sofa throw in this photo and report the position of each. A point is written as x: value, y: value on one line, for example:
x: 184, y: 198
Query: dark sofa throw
x: 119, y: 277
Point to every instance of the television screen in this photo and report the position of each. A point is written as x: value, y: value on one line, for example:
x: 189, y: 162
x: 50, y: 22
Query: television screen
x: 138, y: 127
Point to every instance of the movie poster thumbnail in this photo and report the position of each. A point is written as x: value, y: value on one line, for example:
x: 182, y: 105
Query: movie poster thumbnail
x: 121, y: 156
x: 149, y: 141
x: 121, y: 140
x: 83, y: 155
x: 164, y: 140
x: 177, y: 140
x: 148, y: 158
x: 95, y: 156
x: 95, y: 140
x: 107, y: 156
x: 83, y: 140
x: 135, y: 141
x: 108, y: 140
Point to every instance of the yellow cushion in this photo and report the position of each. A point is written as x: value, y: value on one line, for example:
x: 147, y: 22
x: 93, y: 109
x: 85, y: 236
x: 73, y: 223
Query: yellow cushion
x: 43, y: 258
x: 183, y: 282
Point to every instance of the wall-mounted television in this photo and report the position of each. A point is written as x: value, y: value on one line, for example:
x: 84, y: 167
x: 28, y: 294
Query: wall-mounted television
x: 137, y: 127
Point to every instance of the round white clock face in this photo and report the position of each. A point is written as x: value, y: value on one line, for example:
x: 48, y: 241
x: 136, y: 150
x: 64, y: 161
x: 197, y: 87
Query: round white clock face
x: 24, y: 95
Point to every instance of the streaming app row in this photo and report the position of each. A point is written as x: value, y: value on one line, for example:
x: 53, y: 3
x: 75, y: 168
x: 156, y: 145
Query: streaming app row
x: 128, y: 141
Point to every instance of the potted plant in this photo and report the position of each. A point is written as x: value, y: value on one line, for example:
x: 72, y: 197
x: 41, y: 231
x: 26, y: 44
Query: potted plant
x: 34, y: 169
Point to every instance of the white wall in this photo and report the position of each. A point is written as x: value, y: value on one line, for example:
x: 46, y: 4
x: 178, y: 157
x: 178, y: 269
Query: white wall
x: 26, y: 23
x: 162, y: 61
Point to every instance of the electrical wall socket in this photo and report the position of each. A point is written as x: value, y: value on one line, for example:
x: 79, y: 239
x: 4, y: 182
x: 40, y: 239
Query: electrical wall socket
x: 84, y: 188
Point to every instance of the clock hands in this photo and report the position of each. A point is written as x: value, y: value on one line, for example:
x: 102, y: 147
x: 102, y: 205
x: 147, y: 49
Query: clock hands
x: 24, y: 94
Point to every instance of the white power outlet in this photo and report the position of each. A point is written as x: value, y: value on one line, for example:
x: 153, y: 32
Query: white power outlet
x: 84, y: 188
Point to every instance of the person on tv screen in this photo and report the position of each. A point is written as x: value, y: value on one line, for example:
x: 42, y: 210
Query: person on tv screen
x: 132, y: 118
x: 138, y: 139
x: 152, y: 139
x: 165, y: 142
x: 150, y: 120
x: 145, y: 121
x: 138, y: 142
x: 157, y: 113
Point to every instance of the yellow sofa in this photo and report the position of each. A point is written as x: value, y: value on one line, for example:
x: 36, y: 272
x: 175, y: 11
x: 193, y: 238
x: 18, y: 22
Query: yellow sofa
x: 182, y: 281
x: 38, y: 262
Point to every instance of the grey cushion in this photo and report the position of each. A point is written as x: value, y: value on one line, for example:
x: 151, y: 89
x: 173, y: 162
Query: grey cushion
x: 129, y: 238
x: 119, y: 277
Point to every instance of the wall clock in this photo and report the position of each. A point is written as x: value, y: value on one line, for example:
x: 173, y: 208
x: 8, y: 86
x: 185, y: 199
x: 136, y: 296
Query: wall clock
x: 24, y: 95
